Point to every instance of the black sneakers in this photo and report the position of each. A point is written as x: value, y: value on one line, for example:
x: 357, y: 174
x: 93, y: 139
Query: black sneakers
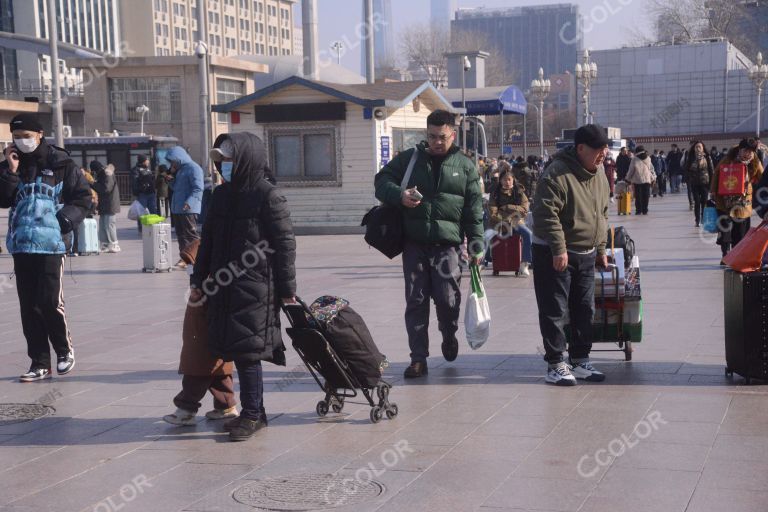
x: 36, y: 374
x: 65, y: 363
x: 244, y: 428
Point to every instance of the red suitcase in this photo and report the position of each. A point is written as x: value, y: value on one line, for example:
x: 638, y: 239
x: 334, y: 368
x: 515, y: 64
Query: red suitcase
x: 506, y: 253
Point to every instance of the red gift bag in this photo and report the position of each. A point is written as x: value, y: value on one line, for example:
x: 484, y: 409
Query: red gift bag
x: 731, y: 180
x: 747, y: 255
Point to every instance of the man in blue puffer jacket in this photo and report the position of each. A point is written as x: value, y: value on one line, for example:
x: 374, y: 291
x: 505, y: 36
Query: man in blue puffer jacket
x: 48, y: 197
x: 187, y: 185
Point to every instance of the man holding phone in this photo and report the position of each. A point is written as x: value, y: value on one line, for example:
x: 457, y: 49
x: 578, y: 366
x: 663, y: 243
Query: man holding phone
x: 441, y: 204
x: 48, y: 198
x: 570, y: 228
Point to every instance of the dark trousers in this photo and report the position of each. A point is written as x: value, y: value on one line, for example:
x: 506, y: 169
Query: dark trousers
x: 700, y: 195
x: 430, y: 271
x: 251, y: 390
x: 204, y: 204
x: 186, y: 229
x: 662, y: 181
x: 689, y: 187
x: 566, y: 297
x: 730, y: 231
x: 164, y: 207
x: 41, y: 300
x: 193, y: 390
x: 642, y: 197
x: 148, y: 201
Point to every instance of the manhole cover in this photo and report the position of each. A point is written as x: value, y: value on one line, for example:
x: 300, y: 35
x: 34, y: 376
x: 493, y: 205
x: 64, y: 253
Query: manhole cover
x: 307, y: 492
x: 16, y: 413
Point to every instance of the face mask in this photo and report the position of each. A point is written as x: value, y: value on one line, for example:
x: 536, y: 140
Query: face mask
x: 226, y: 171
x: 26, y: 145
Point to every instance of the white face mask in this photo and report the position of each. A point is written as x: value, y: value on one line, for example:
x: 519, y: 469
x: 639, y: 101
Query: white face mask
x: 26, y: 145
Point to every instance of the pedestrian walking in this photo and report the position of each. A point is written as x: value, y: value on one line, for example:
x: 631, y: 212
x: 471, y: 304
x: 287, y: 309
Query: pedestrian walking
x: 570, y: 212
x: 675, y: 169
x: 610, y: 173
x: 48, y: 198
x: 734, y: 211
x: 661, y: 177
x: 699, y: 169
x: 248, y: 227
x: 642, y: 177
x: 508, y: 207
x: 109, y: 205
x: 163, y: 192
x: 186, y: 182
x: 143, y: 184
x: 622, y: 164
x: 441, y: 204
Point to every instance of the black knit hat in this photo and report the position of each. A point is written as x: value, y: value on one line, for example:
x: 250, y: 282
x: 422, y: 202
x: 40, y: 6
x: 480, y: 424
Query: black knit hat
x: 28, y: 122
x: 593, y: 135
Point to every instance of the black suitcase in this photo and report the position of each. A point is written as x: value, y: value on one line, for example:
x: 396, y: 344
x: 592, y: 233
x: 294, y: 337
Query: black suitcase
x: 746, y: 324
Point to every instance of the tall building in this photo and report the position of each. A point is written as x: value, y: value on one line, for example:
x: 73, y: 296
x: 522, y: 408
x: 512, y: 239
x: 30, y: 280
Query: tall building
x: 235, y: 27
x: 383, y: 43
x: 682, y: 89
x: 441, y: 13
x: 8, y: 67
x: 88, y: 23
x: 298, y: 41
x: 548, y: 36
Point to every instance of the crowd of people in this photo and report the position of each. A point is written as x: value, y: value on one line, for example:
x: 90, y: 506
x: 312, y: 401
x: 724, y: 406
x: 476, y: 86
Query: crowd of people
x: 558, y: 207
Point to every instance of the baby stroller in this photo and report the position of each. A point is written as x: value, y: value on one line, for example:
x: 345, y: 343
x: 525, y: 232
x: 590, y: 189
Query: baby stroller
x: 334, y: 343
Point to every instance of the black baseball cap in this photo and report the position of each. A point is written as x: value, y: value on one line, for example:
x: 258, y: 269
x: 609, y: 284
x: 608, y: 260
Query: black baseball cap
x: 593, y: 135
x: 28, y: 122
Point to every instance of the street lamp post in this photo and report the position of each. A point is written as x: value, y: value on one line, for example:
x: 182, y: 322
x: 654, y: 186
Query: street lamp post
x: 758, y: 73
x: 586, y: 74
x: 540, y: 89
x: 465, y: 66
x: 142, y: 109
x: 337, y: 46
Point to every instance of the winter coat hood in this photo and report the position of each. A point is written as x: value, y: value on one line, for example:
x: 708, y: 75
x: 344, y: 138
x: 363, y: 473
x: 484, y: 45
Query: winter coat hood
x: 178, y: 156
x: 249, y: 159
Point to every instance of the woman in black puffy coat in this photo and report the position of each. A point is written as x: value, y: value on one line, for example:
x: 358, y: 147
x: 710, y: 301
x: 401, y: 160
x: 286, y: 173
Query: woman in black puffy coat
x: 245, y: 270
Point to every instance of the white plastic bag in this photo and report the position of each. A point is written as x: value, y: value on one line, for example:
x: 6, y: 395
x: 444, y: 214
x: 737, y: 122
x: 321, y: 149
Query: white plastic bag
x: 477, y: 315
x: 136, y: 210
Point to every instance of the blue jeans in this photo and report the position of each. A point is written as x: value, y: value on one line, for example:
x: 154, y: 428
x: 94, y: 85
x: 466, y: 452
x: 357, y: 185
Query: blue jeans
x: 148, y: 201
x: 251, y: 390
x: 525, y: 235
x: 677, y: 179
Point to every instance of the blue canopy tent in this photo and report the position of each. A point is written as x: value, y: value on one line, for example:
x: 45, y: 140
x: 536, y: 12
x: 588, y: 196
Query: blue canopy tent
x: 490, y: 101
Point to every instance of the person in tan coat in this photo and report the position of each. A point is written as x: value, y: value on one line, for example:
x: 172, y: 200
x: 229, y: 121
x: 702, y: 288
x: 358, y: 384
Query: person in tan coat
x: 508, y: 206
x: 642, y: 177
x: 734, y: 211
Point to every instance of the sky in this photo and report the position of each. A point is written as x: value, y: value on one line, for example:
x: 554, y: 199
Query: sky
x: 608, y: 23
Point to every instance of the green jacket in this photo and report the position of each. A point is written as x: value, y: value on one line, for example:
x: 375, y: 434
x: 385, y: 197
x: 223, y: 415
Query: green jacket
x: 570, y: 208
x: 447, y: 212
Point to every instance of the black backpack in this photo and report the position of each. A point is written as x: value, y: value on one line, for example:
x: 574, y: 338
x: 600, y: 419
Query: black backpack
x: 145, y: 182
x: 618, y: 238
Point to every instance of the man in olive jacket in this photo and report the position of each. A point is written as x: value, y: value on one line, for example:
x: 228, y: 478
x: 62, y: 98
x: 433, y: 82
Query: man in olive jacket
x: 441, y: 205
x: 570, y: 218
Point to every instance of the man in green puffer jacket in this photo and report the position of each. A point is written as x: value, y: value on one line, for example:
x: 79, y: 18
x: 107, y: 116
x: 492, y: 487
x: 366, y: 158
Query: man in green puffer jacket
x: 570, y: 216
x: 442, y: 205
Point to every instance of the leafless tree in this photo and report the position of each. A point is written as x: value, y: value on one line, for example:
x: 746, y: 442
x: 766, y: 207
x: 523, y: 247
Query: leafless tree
x: 686, y: 20
x: 424, y: 46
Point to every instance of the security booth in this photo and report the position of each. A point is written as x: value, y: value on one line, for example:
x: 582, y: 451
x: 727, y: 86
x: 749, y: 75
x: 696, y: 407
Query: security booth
x: 326, y: 141
x: 120, y: 151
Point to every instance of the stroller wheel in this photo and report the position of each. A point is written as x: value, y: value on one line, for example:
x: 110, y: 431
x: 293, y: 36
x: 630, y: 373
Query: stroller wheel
x: 383, y: 392
x: 392, y: 411
x: 376, y: 414
x: 337, y: 407
x: 322, y: 408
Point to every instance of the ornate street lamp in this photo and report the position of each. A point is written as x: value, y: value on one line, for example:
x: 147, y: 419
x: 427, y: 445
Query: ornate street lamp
x: 540, y: 89
x: 586, y: 74
x: 758, y: 73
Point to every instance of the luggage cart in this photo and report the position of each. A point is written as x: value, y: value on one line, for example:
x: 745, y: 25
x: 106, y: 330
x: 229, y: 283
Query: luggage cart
x: 605, y: 304
x: 317, y: 353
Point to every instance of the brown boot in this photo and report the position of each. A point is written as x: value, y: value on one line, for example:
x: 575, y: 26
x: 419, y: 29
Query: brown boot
x: 416, y: 370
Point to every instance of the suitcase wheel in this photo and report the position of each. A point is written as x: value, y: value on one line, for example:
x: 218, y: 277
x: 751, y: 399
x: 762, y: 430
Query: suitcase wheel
x: 495, y: 272
x: 391, y: 411
x: 728, y: 372
x: 376, y: 414
x: 321, y: 408
x: 628, y: 351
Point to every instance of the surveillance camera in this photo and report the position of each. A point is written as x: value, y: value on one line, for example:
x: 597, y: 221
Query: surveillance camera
x: 201, y: 49
x: 379, y: 113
